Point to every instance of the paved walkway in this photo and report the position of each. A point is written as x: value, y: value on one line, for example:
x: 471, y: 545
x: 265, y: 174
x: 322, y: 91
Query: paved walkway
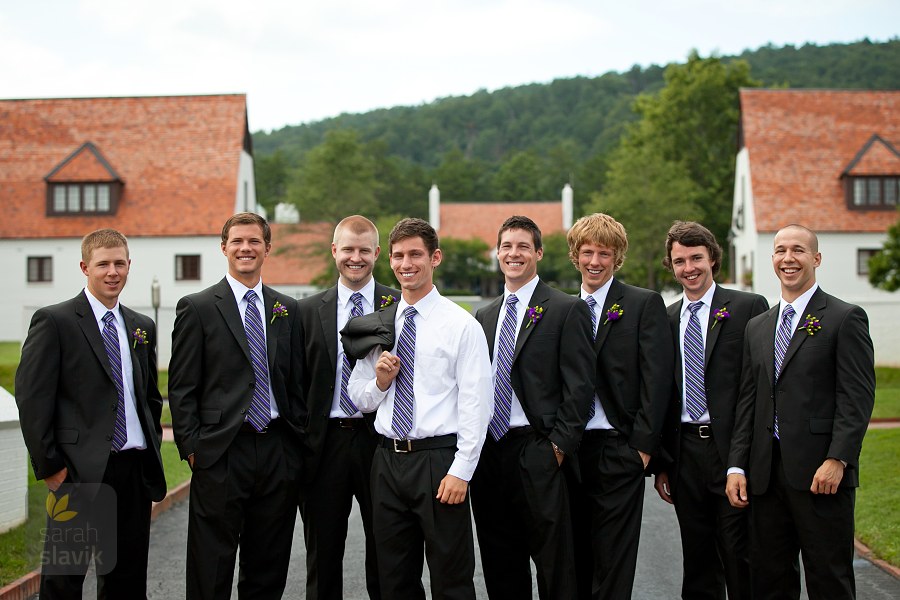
x: 658, y: 575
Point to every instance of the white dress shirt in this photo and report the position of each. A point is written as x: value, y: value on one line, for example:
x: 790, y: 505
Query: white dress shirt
x: 344, y: 306
x: 451, y: 380
x: 600, y: 420
x: 703, y: 317
x: 132, y: 423
x: 517, y: 416
x: 240, y: 290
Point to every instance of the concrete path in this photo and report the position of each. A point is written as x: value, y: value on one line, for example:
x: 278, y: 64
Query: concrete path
x: 658, y: 575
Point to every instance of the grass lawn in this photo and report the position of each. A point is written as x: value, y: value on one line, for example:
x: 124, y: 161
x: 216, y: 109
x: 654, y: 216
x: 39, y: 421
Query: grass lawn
x: 21, y: 547
x: 877, y: 500
x: 9, y: 360
x: 887, y: 393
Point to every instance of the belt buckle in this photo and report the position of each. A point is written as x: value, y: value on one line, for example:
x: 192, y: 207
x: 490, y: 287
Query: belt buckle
x: 401, y: 449
x: 346, y: 424
x: 703, y: 432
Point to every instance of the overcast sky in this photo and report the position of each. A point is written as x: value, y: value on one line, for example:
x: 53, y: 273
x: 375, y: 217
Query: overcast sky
x: 301, y: 61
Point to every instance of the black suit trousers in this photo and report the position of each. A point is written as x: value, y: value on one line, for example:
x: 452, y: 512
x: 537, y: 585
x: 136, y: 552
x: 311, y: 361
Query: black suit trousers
x: 407, y: 515
x: 714, y: 534
x: 248, y: 496
x: 344, y: 472
x: 128, y: 578
x: 521, y: 503
x: 607, y: 509
x: 786, y: 522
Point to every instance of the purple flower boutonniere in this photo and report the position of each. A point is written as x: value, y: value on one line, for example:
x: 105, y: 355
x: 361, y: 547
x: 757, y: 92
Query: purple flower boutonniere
x: 278, y: 311
x: 534, y: 314
x: 720, y: 315
x: 811, y: 324
x: 140, y: 337
x: 614, y: 313
x: 387, y: 301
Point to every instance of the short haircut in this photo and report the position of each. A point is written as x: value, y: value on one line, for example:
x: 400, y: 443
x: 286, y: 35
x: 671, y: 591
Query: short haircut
x: 691, y: 233
x: 600, y: 229
x: 357, y: 225
x: 410, y: 228
x: 102, y: 238
x: 247, y: 218
x: 813, y: 238
x: 524, y: 223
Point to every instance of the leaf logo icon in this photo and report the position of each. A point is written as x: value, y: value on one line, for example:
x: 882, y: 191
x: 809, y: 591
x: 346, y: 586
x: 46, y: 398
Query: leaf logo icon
x: 57, y: 508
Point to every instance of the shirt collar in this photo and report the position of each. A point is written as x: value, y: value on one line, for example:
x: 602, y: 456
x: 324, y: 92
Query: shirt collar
x: 599, y: 295
x: 524, y: 293
x: 367, y: 291
x: 424, y: 306
x: 706, y: 299
x: 99, y: 309
x: 799, y: 303
x: 240, y: 290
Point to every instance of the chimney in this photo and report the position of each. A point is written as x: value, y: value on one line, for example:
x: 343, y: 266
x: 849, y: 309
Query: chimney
x: 434, y: 207
x: 567, y: 208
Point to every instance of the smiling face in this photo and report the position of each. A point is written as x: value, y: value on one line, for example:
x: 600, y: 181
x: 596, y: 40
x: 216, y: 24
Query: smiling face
x: 693, y: 269
x: 517, y: 257
x: 414, y: 267
x: 354, y: 255
x: 246, y: 251
x: 597, y: 264
x: 795, y: 260
x: 107, y: 272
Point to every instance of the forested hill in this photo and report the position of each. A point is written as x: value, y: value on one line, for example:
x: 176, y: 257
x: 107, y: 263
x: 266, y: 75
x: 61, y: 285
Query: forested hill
x: 580, y: 117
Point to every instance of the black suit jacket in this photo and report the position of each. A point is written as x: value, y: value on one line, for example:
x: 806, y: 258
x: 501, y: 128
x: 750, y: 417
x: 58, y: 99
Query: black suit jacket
x: 67, y: 398
x: 211, y: 375
x: 552, y: 370
x: 318, y: 331
x: 723, y: 356
x: 634, y: 361
x: 824, y: 395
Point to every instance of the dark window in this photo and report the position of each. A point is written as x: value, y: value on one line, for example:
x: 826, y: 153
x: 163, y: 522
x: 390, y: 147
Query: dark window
x: 40, y: 268
x: 82, y: 198
x: 872, y: 192
x: 862, y: 260
x: 187, y: 267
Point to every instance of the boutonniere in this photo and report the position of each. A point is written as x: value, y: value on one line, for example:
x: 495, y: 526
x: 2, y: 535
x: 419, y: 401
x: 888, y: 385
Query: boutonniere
x: 278, y: 311
x: 720, y: 315
x: 614, y: 313
x: 140, y: 337
x: 811, y: 324
x: 534, y: 314
x: 387, y: 301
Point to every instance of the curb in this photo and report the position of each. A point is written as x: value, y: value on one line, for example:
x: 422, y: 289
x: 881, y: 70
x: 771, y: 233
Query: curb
x: 866, y: 553
x: 28, y: 585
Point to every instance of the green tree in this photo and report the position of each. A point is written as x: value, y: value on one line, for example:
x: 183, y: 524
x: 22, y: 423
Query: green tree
x: 272, y: 174
x: 646, y: 192
x: 519, y: 178
x: 336, y: 179
x: 461, y: 179
x: 464, y: 266
x: 555, y: 267
x: 884, y: 267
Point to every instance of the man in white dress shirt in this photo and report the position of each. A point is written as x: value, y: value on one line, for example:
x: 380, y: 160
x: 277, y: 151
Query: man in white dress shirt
x: 432, y: 392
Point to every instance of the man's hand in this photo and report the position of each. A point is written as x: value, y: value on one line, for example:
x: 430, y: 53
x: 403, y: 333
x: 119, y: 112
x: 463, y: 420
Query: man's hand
x: 190, y: 460
x: 828, y: 477
x: 54, y: 481
x: 644, y: 457
x: 736, y: 490
x: 452, y: 490
x: 386, y: 370
x: 661, y: 483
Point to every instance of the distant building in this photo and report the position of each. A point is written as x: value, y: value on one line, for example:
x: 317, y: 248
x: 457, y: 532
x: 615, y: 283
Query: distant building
x: 829, y: 160
x: 166, y: 171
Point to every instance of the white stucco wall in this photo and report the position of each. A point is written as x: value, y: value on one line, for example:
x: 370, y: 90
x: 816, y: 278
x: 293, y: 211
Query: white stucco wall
x: 245, y: 197
x: 13, y: 465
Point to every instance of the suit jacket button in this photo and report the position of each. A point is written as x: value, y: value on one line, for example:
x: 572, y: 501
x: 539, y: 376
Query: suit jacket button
x: 243, y: 411
x: 113, y: 407
x: 768, y: 428
x: 108, y: 438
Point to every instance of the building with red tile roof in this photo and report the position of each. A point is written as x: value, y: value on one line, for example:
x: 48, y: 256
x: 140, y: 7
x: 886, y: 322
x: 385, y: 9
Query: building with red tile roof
x: 828, y: 160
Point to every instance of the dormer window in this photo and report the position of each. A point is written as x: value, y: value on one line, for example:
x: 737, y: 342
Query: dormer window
x: 872, y: 179
x: 83, y: 184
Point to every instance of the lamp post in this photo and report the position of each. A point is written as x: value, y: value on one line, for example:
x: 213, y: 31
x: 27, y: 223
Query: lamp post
x: 154, y: 300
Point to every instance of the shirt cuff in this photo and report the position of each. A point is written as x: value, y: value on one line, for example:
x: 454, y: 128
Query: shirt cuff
x: 462, y: 469
x: 735, y: 471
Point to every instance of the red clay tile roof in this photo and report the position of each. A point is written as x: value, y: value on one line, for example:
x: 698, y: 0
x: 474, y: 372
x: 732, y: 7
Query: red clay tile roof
x: 801, y: 141
x: 481, y: 220
x: 178, y: 157
x: 85, y: 164
x: 876, y: 158
x: 300, y: 253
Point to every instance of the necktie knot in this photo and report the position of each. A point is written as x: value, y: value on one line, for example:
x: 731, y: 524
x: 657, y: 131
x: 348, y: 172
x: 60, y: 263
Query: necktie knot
x: 788, y: 312
x: 109, y: 318
x: 590, y: 301
x: 356, y: 299
x: 409, y: 312
x: 695, y: 306
x: 511, y: 300
x: 250, y: 296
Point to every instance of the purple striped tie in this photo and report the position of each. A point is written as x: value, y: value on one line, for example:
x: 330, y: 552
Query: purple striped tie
x: 111, y: 344
x: 592, y: 304
x: 782, y: 341
x: 259, y: 414
x: 402, y: 420
x: 499, y: 424
x: 346, y: 403
x: 694, y: 386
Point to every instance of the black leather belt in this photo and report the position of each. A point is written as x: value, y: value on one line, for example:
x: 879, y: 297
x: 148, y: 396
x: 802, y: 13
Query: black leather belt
x: 600, y: 433
x: 404, y: 446
x: 703, y: 432
x: 346, y: 423
x: 246, y: 427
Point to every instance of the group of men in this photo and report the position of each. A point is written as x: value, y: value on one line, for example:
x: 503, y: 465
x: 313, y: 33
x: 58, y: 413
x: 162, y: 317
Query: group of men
x: 549, y: 408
